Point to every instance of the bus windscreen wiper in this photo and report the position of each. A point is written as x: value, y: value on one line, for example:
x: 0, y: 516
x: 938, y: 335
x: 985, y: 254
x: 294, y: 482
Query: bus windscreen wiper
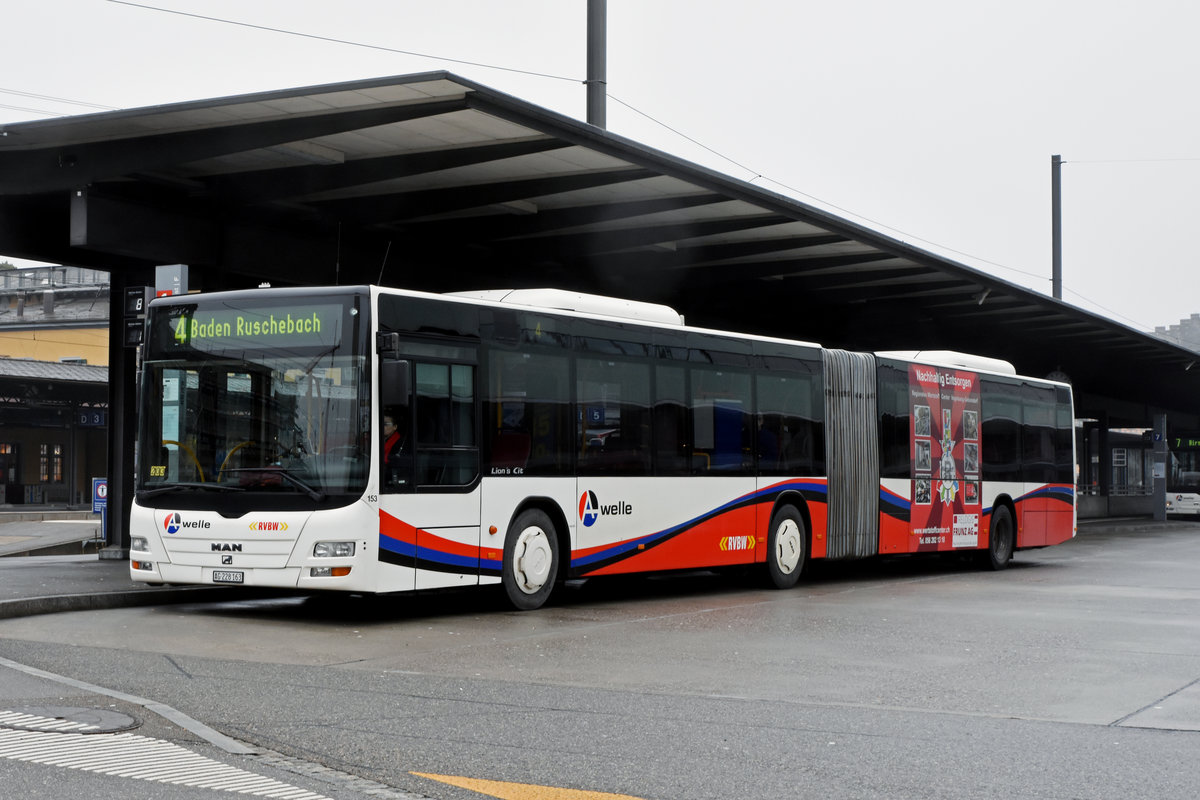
x: 286, y: 475
x: 184, y: 485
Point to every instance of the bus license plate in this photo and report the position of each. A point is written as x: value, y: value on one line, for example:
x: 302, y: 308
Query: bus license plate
x: 226, y: 576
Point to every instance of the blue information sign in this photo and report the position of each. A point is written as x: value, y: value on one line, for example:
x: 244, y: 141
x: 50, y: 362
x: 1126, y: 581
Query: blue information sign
x: 99, y: 495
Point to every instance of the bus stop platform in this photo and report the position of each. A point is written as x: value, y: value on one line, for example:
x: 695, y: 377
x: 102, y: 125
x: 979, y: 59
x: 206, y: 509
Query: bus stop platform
x: 49, y: 532
x: 49, y: 563
x: 47, y: 584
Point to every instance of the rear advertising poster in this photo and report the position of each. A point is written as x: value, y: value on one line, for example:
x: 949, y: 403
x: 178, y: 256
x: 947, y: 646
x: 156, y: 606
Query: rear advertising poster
x: 946, y: 498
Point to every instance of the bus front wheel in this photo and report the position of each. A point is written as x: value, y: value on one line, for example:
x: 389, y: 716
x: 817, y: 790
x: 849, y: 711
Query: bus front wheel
x: 530, y: 560
x: 787, y: 541
x: 1001, y: 539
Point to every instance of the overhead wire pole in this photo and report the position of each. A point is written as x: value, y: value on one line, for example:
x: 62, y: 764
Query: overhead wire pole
x: 1056, y: 226
x: 597, y: 62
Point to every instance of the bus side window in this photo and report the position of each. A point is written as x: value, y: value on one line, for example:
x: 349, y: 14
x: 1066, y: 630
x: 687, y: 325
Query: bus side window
x: 670, y: 422
x: 614, y: 417
x: 1037, y: 434
x: 1064, y: 437
x: 895, y: 434
x: 395, y: 446
x: 722, y: 422
x: 446, y: 453
x: 395, y: 427
x: 785, y: 424
x: 1001, y: 430
x: 527, y: 414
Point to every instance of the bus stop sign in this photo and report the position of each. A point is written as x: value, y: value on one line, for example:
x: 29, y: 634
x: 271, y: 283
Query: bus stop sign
x: 99, y: 495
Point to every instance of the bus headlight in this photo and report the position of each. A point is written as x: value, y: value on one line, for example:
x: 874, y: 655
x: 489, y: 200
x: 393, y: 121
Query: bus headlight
x: 333, y: 550
x: 140, y: 543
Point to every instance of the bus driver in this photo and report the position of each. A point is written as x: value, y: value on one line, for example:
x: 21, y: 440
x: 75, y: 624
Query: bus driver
x: 397, y: 459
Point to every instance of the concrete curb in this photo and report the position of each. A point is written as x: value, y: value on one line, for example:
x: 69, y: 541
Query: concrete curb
x: 54, y: 604
x: 80, y: 547
x: 8, y: 515
x: 1136, y: 525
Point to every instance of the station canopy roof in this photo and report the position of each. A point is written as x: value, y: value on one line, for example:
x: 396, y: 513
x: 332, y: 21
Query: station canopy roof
x: 434, y: 182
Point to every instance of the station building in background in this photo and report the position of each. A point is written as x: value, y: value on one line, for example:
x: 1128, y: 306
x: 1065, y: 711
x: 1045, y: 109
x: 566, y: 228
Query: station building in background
x: 53, y: 384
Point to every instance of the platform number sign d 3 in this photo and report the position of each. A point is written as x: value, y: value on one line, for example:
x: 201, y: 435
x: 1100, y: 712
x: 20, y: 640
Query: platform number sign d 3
x: 99, y: 495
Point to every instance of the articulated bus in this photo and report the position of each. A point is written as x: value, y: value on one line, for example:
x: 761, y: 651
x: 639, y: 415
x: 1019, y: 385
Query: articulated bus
x: 1183, y: 473
x: 536, y: 436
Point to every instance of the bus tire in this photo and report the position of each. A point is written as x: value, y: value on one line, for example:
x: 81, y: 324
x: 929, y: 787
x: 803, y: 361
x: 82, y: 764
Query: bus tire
x: 1001, y: 539
x: 787, y: 546
x: 530, y: 560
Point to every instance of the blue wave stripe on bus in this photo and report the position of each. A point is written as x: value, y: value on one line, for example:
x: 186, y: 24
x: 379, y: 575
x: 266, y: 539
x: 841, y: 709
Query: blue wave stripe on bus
x: 406, y: 554
x: 616, y: 551
x: 890, y: 498
x: 811, y: 489
x: 406, y: 549
x: 893, y: 505
x: 1064, y: 493
x: 440, y: 560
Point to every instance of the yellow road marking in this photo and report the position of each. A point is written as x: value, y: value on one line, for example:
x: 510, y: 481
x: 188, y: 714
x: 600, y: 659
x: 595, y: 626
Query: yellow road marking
x: 521, y: 791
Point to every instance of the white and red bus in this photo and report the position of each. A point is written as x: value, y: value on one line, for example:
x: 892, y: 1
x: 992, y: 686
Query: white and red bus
x: 544, y: 435
x: 1183, y: 473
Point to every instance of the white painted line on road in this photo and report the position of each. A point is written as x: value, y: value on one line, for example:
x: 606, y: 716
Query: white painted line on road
x: 226, y: 743
x: 229, y: 745
x: 138, y: 757
x: 17, y: 719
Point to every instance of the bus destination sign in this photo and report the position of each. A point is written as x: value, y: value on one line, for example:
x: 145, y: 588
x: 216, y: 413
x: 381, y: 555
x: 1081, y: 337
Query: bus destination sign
x: 237, y: 328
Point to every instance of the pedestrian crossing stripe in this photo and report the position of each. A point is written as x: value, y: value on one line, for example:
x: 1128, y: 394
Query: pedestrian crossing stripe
x: 129, y: 756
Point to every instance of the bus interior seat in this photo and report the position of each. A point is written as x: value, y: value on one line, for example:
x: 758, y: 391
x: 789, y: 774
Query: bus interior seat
x: 510, y: 449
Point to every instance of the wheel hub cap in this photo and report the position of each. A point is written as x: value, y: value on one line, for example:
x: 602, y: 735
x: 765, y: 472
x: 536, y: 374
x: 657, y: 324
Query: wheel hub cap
x: 788, y: 547
x: 531, y: 560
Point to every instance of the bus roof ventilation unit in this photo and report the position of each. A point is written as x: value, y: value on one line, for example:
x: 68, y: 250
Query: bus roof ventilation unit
x: 578, y: 301
x: 950, y: 358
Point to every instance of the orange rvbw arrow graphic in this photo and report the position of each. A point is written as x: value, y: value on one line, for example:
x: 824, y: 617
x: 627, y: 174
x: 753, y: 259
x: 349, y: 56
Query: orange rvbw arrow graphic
x: 521, y: 791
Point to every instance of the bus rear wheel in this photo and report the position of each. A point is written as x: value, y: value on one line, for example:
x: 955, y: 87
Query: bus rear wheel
x: 787, y: 542
x: 530, y: 560
x: 1001, y: 539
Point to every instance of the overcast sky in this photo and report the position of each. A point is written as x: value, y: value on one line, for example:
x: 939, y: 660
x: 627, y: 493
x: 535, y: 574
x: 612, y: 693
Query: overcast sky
x: 932, y: 121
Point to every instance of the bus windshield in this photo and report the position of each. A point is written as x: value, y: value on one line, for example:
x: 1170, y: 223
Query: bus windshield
x: 1184, y: 473
x: 241, y: 417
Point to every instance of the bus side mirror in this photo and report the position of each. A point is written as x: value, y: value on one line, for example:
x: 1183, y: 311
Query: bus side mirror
x: 387, y: 345
x: 394, y: 389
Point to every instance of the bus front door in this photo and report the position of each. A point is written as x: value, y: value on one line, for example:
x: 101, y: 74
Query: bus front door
x: 433, y: 484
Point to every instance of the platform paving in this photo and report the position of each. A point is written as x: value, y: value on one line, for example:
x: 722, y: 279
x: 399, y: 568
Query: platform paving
x: 50, y: 561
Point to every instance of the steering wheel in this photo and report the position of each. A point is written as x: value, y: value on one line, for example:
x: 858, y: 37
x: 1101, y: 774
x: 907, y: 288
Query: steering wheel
x: 229, y: 455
